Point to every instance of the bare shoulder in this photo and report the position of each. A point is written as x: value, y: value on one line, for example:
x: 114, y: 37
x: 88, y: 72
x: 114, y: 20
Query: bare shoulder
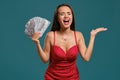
x: 50, y: 36
x: 79, y: 34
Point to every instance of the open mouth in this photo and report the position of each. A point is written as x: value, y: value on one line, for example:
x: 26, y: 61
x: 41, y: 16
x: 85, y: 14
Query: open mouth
x: 66, y: 22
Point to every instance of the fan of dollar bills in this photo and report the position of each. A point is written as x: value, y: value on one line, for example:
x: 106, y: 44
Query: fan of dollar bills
x: 36, y: 24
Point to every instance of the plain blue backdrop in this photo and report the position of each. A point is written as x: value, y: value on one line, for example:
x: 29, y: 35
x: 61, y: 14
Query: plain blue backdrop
x: 19, y: 59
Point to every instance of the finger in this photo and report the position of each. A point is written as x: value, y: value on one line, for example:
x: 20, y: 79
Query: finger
x: 102, y: 29
x: 105, y: 29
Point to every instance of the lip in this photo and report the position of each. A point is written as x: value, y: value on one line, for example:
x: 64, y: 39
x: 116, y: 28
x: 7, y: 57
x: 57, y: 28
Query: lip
x: 66, y: 21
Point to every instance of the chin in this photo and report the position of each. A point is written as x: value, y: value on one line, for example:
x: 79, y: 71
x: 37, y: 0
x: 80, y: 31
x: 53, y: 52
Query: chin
x: 66, y: 27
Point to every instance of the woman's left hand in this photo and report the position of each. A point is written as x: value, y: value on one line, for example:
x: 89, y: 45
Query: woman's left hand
x: 94, y: 32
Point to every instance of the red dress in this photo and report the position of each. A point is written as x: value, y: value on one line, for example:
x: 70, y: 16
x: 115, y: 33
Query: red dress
x: 63, y: 65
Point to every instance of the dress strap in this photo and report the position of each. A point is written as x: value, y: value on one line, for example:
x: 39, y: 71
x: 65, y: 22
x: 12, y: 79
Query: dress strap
x: 75, y: 37
x: 54, y: 38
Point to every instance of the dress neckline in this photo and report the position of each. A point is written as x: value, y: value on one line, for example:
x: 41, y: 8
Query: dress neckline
x: 73, y: 46
x: 67, y: 51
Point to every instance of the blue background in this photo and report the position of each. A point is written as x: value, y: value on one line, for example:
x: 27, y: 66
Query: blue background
x: 19, y: 59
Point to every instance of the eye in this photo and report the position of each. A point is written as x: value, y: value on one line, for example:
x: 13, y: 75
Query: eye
x: 69, y: 13
x: 62, y: 14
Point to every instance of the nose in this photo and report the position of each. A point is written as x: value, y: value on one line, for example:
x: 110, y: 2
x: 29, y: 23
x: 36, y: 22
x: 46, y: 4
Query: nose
x: 66, y: 15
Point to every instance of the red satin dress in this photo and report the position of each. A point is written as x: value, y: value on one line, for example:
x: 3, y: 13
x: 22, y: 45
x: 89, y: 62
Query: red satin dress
x: 63, y: 64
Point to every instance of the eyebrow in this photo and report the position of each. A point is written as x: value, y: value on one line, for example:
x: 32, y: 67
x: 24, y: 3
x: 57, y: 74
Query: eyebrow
x: 64, y: 12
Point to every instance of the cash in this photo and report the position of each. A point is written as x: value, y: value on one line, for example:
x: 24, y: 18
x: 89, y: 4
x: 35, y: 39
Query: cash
x: 36, y: 24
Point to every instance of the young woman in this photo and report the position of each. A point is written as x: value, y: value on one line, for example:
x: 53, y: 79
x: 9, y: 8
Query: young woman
x: 62, y: 45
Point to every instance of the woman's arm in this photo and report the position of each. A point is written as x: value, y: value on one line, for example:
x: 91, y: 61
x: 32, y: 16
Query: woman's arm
x: 86, y: 52
x: 43, y: 53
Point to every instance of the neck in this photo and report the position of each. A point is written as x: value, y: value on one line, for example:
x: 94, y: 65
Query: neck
x: 65, y: 31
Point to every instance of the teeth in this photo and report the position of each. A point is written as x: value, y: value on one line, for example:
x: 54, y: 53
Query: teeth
x: 66, y: 20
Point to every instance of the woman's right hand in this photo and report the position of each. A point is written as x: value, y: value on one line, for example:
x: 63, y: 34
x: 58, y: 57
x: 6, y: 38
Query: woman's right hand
x: 35, y: 37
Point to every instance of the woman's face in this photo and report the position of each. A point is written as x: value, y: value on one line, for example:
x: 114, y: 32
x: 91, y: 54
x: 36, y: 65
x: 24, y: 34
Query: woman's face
x: 65, y: 17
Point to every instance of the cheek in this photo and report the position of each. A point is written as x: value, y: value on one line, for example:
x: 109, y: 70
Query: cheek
x: 71, y: 19
x: 60, y: 19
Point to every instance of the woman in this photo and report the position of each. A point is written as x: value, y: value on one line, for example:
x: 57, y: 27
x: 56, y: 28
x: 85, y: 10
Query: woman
x: 62, y: 45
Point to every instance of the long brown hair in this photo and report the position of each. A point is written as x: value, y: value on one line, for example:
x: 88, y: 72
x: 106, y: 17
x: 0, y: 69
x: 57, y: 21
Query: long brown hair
x: 56, y: 24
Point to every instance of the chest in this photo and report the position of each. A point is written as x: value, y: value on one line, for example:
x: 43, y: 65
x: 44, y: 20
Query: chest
x: 58, y: 54
x: 65, y: 45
